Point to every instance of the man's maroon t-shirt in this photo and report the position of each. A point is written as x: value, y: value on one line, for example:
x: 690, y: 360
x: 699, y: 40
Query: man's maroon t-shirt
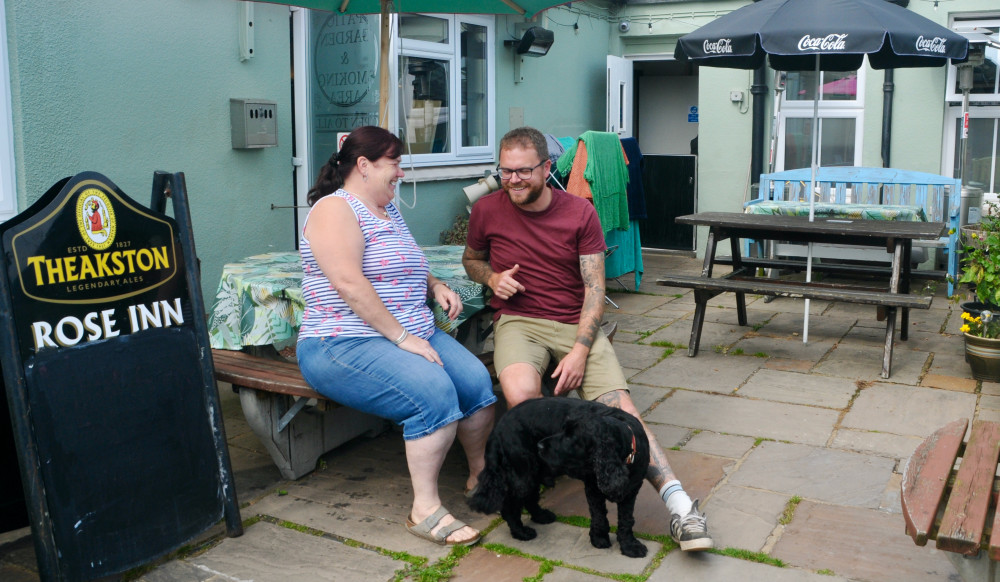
x: 547, y: 245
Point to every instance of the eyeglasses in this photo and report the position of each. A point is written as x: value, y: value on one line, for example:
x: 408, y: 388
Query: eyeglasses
x: 522, y: 173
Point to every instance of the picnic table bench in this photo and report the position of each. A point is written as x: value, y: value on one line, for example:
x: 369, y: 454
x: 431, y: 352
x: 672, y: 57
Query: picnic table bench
x: 956, y: 506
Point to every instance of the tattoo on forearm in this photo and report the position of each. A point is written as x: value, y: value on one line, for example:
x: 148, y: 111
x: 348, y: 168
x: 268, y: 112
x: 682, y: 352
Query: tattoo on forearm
x: 592, y: 273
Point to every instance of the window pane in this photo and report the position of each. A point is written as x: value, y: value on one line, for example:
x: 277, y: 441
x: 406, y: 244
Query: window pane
x: 836, y: 86
x: 840, y: 86
x: 474, y: 86
x: 343, y: 79
x: 423, y: 28
x: 836, y: 149
x: 838, y: 142
x: 800, y: 86
x: 423, y: 105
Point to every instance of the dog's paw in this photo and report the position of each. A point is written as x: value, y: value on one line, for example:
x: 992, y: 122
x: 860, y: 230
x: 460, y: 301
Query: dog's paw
x: 543, y: 516
x: 523, y: 533
x: 600, y: 541
x: 633, y: 548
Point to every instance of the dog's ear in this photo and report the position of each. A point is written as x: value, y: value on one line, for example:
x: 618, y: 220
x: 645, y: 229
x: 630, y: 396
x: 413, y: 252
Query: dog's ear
x: 609, y: 458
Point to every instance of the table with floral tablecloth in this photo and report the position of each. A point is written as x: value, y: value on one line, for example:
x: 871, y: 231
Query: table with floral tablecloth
x: 259, y: 300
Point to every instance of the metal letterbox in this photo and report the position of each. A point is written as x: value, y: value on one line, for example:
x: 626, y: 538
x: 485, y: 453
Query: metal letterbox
x: 254, y: 123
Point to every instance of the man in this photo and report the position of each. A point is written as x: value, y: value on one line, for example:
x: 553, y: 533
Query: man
x: 541, y: 251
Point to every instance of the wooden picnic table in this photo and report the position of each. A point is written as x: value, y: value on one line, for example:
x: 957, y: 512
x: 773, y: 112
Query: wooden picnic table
x: 949, y: 494
x: 895, y: 236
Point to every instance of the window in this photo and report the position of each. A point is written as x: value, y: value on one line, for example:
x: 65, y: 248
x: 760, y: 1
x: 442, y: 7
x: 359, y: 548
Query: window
x: 445, y: 75
x: 841, y: 115
x: 982, y: 150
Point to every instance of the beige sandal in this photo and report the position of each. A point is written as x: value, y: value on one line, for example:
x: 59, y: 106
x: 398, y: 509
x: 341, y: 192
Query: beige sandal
x: 424, y: 529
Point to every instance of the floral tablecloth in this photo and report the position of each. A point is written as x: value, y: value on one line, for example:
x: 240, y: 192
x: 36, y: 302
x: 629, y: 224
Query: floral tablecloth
x: 849, y: 211
x: 259, y: 300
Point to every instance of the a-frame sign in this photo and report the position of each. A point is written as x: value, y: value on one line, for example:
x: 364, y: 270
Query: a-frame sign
x: 109, y: 378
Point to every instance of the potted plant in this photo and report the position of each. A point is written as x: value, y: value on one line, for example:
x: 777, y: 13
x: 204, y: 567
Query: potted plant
x: 981, y: 261
x: 982, y: 346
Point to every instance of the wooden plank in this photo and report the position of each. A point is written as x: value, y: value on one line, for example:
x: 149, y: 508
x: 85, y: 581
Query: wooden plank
x: 796, y: 289
x: 925, y: 478
x: 249, y: 371
x: 835, y: 268
x: 965, y: 515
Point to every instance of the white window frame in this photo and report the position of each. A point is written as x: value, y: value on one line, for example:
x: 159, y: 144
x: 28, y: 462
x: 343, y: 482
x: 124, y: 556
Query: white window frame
x: 8, y: 182
x: 452, y: 53
x: 828, y: 109
x: 951, y: 117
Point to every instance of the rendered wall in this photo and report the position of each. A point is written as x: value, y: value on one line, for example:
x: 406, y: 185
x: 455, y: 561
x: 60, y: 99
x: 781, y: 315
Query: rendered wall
x: 128, y: 87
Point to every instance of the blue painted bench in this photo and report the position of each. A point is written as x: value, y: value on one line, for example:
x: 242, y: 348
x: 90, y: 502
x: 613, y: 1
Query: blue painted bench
x: 938, y: 196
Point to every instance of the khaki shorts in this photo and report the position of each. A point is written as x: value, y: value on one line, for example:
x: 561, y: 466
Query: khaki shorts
x: 534, y: 341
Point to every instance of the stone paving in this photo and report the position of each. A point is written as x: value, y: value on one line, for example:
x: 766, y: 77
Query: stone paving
x: 795, y: 449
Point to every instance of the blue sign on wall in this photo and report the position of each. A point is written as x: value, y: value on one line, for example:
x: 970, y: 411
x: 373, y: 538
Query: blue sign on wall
x: 693, y: 114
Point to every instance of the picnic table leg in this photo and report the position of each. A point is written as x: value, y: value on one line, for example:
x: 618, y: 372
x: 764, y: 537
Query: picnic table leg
x: 890, y: 312
x: 904, y: 287
x: 741, y: 297
x: 701, y: 297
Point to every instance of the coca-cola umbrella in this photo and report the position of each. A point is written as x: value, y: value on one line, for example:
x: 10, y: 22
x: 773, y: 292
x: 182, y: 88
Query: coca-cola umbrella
x: 827, y: 35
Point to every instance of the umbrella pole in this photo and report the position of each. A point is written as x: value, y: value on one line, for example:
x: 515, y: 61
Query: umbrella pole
x: 812, y: 199
x: 383, y: 69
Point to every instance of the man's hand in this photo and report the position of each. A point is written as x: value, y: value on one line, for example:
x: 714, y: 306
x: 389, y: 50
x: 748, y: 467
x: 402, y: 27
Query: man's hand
x: 504, y: 284
x: 570, y: 370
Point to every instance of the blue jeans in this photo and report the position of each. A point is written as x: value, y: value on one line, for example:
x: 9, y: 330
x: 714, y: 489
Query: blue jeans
x: 372, y: 375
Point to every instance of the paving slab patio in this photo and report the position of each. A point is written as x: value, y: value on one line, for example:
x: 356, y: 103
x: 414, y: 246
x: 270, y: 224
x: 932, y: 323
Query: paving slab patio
x: 744, y: 434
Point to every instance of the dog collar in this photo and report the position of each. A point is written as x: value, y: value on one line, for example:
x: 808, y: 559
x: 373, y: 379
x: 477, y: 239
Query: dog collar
x: 631, y: 456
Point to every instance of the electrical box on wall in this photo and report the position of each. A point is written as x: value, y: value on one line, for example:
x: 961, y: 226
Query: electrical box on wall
x: 254, y: 123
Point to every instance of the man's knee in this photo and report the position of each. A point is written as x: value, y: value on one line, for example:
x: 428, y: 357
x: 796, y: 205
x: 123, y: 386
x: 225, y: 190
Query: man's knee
x: 520, y: 382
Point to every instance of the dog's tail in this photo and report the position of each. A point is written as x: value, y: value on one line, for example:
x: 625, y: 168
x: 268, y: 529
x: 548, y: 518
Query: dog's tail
x: 492, y: 488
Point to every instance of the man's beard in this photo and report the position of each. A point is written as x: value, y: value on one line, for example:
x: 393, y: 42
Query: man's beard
x: 531, y: 195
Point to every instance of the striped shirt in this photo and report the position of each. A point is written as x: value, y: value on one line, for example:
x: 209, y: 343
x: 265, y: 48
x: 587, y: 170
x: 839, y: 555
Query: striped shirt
x: 392, y: 262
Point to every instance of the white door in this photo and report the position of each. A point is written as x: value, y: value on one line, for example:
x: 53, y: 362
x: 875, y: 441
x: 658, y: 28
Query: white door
x: 619, y: 96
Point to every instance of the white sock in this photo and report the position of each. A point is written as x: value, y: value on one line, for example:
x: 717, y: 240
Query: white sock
x: 676, y: 499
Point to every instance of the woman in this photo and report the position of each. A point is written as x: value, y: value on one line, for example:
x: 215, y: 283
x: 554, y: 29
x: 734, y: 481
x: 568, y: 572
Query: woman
x: 368, y: 339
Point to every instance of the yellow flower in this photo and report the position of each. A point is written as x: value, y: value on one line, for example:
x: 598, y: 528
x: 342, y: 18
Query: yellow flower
x: 965, y: 328
x: 966, y: 316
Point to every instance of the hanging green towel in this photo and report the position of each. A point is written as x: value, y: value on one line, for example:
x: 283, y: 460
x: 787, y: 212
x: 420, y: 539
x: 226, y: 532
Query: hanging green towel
x: 608, y: 177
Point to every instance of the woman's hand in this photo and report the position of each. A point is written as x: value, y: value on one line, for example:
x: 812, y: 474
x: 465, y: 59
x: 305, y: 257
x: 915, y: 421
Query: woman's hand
x: 448, y: 299
x: 421, y: 347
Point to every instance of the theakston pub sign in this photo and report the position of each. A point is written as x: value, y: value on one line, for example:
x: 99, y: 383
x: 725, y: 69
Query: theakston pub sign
x: 94, y: 267
x: 113, y: 403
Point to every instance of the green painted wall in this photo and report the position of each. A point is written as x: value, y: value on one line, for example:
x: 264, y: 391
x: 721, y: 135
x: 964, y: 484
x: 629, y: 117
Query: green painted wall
x: 127, y: 87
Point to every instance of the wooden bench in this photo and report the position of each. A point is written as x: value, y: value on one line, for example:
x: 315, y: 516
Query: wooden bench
x: 957, y: 507
x: 938, y: 196
x: 295, y: 423
x: 706, y: 288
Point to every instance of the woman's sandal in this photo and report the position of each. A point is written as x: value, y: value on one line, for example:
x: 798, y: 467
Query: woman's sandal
x: 424, y: 529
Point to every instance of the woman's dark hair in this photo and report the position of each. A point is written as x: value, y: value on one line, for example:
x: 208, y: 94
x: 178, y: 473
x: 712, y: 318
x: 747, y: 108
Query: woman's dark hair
x: 370, y: 142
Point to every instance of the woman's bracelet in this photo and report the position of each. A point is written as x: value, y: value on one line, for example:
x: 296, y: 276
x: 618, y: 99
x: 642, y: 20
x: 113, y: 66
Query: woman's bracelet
x: 401, y: 337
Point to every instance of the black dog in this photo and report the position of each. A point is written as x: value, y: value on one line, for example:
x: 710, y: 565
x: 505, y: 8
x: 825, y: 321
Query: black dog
x: 542, y: 438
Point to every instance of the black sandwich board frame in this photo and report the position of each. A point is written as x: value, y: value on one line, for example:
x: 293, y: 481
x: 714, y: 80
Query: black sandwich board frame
x: 109, y: 378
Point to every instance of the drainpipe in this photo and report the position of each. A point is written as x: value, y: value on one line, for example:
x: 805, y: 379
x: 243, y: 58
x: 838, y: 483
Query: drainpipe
x: 888, y: 87
x: 759, y: 91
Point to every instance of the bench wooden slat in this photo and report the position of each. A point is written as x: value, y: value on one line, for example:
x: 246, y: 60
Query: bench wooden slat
x: 794, y: 289
x: 925, y: 478
x: 836, y: 268
x: 965, y: 515
x: 249, y: 371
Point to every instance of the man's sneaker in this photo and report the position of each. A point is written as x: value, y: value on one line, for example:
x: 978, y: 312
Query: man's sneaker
x: 691, y: 531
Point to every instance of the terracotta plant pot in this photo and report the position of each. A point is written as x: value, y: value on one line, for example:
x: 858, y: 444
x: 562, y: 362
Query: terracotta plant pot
x: 983, y: 355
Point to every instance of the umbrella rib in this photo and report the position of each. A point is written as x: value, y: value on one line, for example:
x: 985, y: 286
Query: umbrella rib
x: 510, y: 3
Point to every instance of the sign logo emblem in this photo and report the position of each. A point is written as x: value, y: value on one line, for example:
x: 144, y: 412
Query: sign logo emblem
x: 96, y: 219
